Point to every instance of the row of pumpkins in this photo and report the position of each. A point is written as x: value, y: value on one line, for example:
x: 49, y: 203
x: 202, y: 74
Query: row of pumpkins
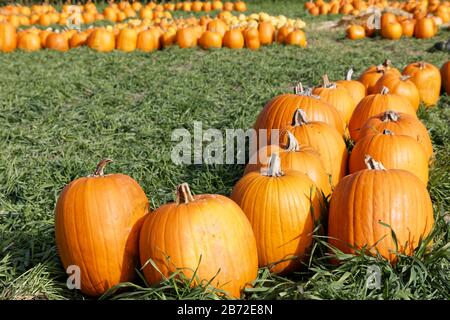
x: 46, y: 14
x: 104, y: 224
x: 394, y: 27
x: 204, y: 32
x: 419, y: 9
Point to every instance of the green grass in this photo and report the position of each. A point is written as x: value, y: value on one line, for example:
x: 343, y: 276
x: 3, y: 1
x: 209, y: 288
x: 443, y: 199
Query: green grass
x: 62, y: 112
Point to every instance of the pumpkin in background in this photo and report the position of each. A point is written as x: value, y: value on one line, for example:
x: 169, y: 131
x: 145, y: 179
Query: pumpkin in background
x: 208, y: 234
x: 296, y: 38
x: 278, y: 112
x: 445, y: 75
x: 325, y: 139
x: 57, y: 41
x: 240, y: 6
x: 146, y: 41
x: 372, y: 74
x: 355, y: 32
x: 294, y: 157
x: 217, y: 25
x: 266, y: 32
x: 284, y: 221
x: 186, y: 38
x: 425, y: 28
x: 127, y: 40
x: 282, y: 33
x: 394, y: 151
x: 97, y: 223
x: 399, y: 85
x: 101, y: 40
x: 374, y: 104
x: 217, y: 5
x: 8, y: 37
x: 233, y: 39
x: 78, y: 39
x: 29, y: 42
x: 400, y: 124
x: 355, y: 88
x: 408, y: 26
x: 228, y: 6
x: 337, y: 96
x: 251, y: 38
x: 392, y: 31
x: 364, y: 203
x: 427, y: 79
x: 210, y: 39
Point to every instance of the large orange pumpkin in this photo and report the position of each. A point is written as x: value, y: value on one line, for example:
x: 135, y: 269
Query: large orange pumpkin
x: 369, y: 205
x: 284, y: 221
x: 97, y: 223
x: 374, y: 104
x: 325, y: 139
x: 427, y: 79
x: 400, y: 124
x: 294, y: 157
x: 355, y: 88
x: 8, y: 37
x: 399, y: 85
x: 278, y: 112
x: 207, y: 234
x: 337, y: 96
x: 394, y: 151
x: 445, y: 75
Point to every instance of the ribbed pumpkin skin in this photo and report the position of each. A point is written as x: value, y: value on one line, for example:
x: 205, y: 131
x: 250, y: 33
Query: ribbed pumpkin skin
x: 427, y: 78
x: 374, y: 104
x: 328, y: 143
x: 306, y: 160
x: 355, y: 88
x: 97, y: 227
x: 279, y: 210
x: 278, y: 113
x: 8, y: 37
x: 372, y: 74
x: 394, y: 152
x: 338, y: 97
x: 394, y: 197
x: 402, y: 87
x: 213, y: 227
x: 445, y: 75
x: 405, y: 125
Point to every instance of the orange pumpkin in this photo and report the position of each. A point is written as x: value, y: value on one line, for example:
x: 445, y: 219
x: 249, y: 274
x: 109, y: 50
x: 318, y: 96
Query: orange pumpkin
x: 372, y: 74
x: 29, y: 42
x: 146, y: 41
x: 355, y: 88
x: 206, y: 234
x: 325, y: 140
x: 283, y: 32
x: 408, y: 27
x: 233, y: 39
x: 392, y: 31
x: 217, y: 25
x: 427, y: 79
x: 266, y: 32
x: 210, y: 39
x: 370, y: 205
x: 97, y: 223
x: 57, y: 41
x: 101, y: 40
x: 374, y: 104
x: 284, y: 222
x: 240, y: 6
x: 251, y: 38
x: 400, y: 124
x: 186, y: 38
x: 127, y: 40
x: 425, y: 28
x: 400, y: 85
x: 78, y: 39
x: 296, y: 38
x: 8, y: 37
x: 355, y: 32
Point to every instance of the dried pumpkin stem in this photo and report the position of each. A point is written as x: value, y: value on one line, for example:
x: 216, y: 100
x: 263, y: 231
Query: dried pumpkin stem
x: 298, y: 89
x: 385, y: 90
x: 349, y: 75
x: 327, y: 83
x: 421, y: 65
x: 274, y: 167
x: 292, y: 143
x: 387, y: 63
x: 372, y: 164
x: 184, y: 194
x: 100, y: 167
x: 390, y: 116
x: 388, y: 132
x: 300, y: 118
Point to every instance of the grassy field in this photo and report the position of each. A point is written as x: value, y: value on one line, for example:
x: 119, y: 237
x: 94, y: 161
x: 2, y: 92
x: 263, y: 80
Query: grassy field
x: 62, y: 112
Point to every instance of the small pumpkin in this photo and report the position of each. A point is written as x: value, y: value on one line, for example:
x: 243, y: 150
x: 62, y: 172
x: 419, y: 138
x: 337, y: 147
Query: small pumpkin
x: 400, y: 85
x: 251, y: 38
x: 355, y: 32
x: 97, y: 223
x: 101, y: 40
x: 283, y: 32
x: 127, y: 40
x: 207, y: 234
x: 8, y: 37
x: 210, y: 39
x: 367, y: 207
x: 394, y: 151
x: 425, y: 28
x: 355, y: 88
x: 29, y: 42
x: 217, y: 25
x: 427, y: 79
x: 284, y: 222
x: 337, y: 96
x: 146, y: 41
x: 233, y: 39
x: 57, y: 41
x: 392, y: 31
x: 186, y: 37
x: 374, y: 104
x: 408, y: 26
x: 266, y: 32
x: 325, y: 140
x: 296, y: 38
x: 78, y: 39
x: 400, y: 124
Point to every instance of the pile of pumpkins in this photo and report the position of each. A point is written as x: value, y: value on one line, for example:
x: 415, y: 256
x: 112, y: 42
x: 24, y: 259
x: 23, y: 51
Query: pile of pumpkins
x: 393, y: 27
x: 104, y: 224
x: 46, y: 14
x: 226, y: 30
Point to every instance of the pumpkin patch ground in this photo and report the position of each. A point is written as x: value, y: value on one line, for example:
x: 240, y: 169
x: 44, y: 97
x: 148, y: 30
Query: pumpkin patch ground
x: 66, y: 107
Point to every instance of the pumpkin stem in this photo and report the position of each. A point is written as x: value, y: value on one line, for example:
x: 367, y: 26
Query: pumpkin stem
x: 302, y: 91
x: 292, y: 143
x: 327, y: 83
x: 100, y: 166
x: 349, y: 74
x: 385, y: 90
x: 300, y: 118
x: 421, y: 65
x: 372, y: 164
x: 184, y: 194
x: 388, y: 132
x: 274, y: 167
x: 390, y: 116
x: 298, y: 89
x: 387, y: 63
